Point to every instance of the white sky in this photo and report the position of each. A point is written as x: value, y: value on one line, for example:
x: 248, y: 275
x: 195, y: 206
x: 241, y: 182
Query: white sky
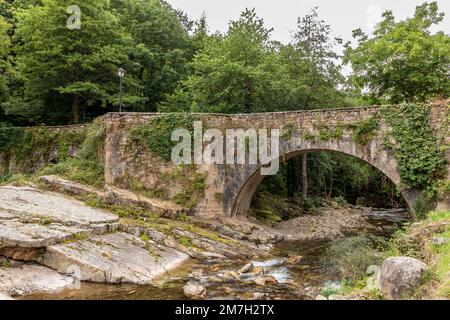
x: 343, y: 15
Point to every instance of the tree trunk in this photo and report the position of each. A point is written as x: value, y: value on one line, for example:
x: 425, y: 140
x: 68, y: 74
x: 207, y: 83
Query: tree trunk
x: 76, y: 109
x: 290, y: 179
x: 304, y: 177
x: 330, y: 192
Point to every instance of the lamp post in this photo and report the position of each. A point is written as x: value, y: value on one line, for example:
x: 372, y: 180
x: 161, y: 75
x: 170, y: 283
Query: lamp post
x: 121, y: 75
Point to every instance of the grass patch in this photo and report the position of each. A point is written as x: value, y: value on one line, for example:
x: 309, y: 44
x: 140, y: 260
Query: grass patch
x: 352, y: 256
x: 87, y: 167
x: 18, y: 179
x: 346, y: 287
x: 441, y: 265
x: 5, y: 263
x: 185, y: 241
x: 123, y: 211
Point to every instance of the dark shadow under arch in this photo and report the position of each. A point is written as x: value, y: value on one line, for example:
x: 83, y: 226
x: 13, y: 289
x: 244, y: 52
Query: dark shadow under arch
x: 244, y: 198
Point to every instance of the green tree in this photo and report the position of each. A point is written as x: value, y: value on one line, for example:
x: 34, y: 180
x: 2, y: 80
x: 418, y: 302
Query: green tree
x: 79, y: 66
x: 5, y: 44
x: 313, y: 78
x: 161, y: 45
x: 314, y: 74
x: 402, y: 61
x: 232, y: 73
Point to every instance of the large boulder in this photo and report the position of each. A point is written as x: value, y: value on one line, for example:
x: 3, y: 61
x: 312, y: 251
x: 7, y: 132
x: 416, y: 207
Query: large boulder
x: 400, y: 276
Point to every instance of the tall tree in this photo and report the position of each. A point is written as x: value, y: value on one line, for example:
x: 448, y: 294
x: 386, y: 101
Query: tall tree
x: 161, y: 44
x: 402, y: 61
x: 236, y: 72
x: 312, y: 65
x: 5, y: 44
x: 313, y: 77
x: 77, y: 65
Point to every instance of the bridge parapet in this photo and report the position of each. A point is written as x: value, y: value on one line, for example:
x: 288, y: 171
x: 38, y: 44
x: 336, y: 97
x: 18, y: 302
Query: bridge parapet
x: 229, y: 188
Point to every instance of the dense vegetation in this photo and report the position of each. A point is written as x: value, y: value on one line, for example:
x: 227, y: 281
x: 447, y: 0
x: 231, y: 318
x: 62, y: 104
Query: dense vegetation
x: 53, y: 75
x: 353, y: 256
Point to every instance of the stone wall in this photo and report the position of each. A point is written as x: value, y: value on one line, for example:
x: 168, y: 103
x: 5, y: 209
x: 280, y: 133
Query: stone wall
x: 229, y: 188
x: 33, y: 148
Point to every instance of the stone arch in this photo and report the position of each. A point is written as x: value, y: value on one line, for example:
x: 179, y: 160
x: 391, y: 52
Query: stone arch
x: 373, y: 153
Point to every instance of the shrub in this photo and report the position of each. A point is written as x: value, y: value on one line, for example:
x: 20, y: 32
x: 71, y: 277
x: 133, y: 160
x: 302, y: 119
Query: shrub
x: 340, y: 201
x: 352, y: 256
x: 157, y: 134
x: 87, y: 167
x: 364, y: 131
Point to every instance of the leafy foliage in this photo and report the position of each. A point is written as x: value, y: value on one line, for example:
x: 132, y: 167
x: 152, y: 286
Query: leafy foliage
x: 416, y: 148
x: 87, y: 166
x: 157, y: 133
x: 364, y: 132
x: 5, y: 67
x: 402, y: 61
x: 29, y: 144
x: 233, y: 73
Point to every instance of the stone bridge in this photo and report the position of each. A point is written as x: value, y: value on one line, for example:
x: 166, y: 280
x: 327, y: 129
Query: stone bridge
x: 230, y: 188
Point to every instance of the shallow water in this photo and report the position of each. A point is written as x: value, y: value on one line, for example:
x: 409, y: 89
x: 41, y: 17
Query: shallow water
x: 301, y: 282
x: 292, y: 280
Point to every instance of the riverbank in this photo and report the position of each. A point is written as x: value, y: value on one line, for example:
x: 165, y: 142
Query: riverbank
x: 130, y: 252
x: 422, y: 247
x: 46, y: 235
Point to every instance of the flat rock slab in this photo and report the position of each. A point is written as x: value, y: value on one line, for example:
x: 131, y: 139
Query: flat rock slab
x: 14, y: 233
x: 31, y: 203
x: 4, y: 215
x: 115, y: 195
x: 113, y: 258
x: 28, y: 279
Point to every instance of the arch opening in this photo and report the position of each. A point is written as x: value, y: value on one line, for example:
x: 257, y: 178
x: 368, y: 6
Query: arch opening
x: 386, y: 198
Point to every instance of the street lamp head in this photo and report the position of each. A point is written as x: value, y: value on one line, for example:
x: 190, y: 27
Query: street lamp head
x: 121, y: 72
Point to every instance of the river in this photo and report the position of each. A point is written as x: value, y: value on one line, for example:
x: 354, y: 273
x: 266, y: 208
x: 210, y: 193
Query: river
x: 300, y: 282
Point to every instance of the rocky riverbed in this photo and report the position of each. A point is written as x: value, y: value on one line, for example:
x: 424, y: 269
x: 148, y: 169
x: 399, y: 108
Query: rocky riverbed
x: 50, y: 241
x: 50, y: 238
x: 334, y: 222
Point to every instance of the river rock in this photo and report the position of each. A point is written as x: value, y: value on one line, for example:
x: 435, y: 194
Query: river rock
x: 23, y: 241
x: 440, y: 241
x: 320, y: 297
x: 294, y: 259
x: 266, y: 280
x: 400, y: 276
x: 194, y: 290
x: 113, y: 258
x: 260, y: 295
x: 28, y: 279
x: 337, y: 297
x: 258, y: 271
x: 247, y: 268
x: 27, y: 203
x: 232, y: 275
x: 4, y: 215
